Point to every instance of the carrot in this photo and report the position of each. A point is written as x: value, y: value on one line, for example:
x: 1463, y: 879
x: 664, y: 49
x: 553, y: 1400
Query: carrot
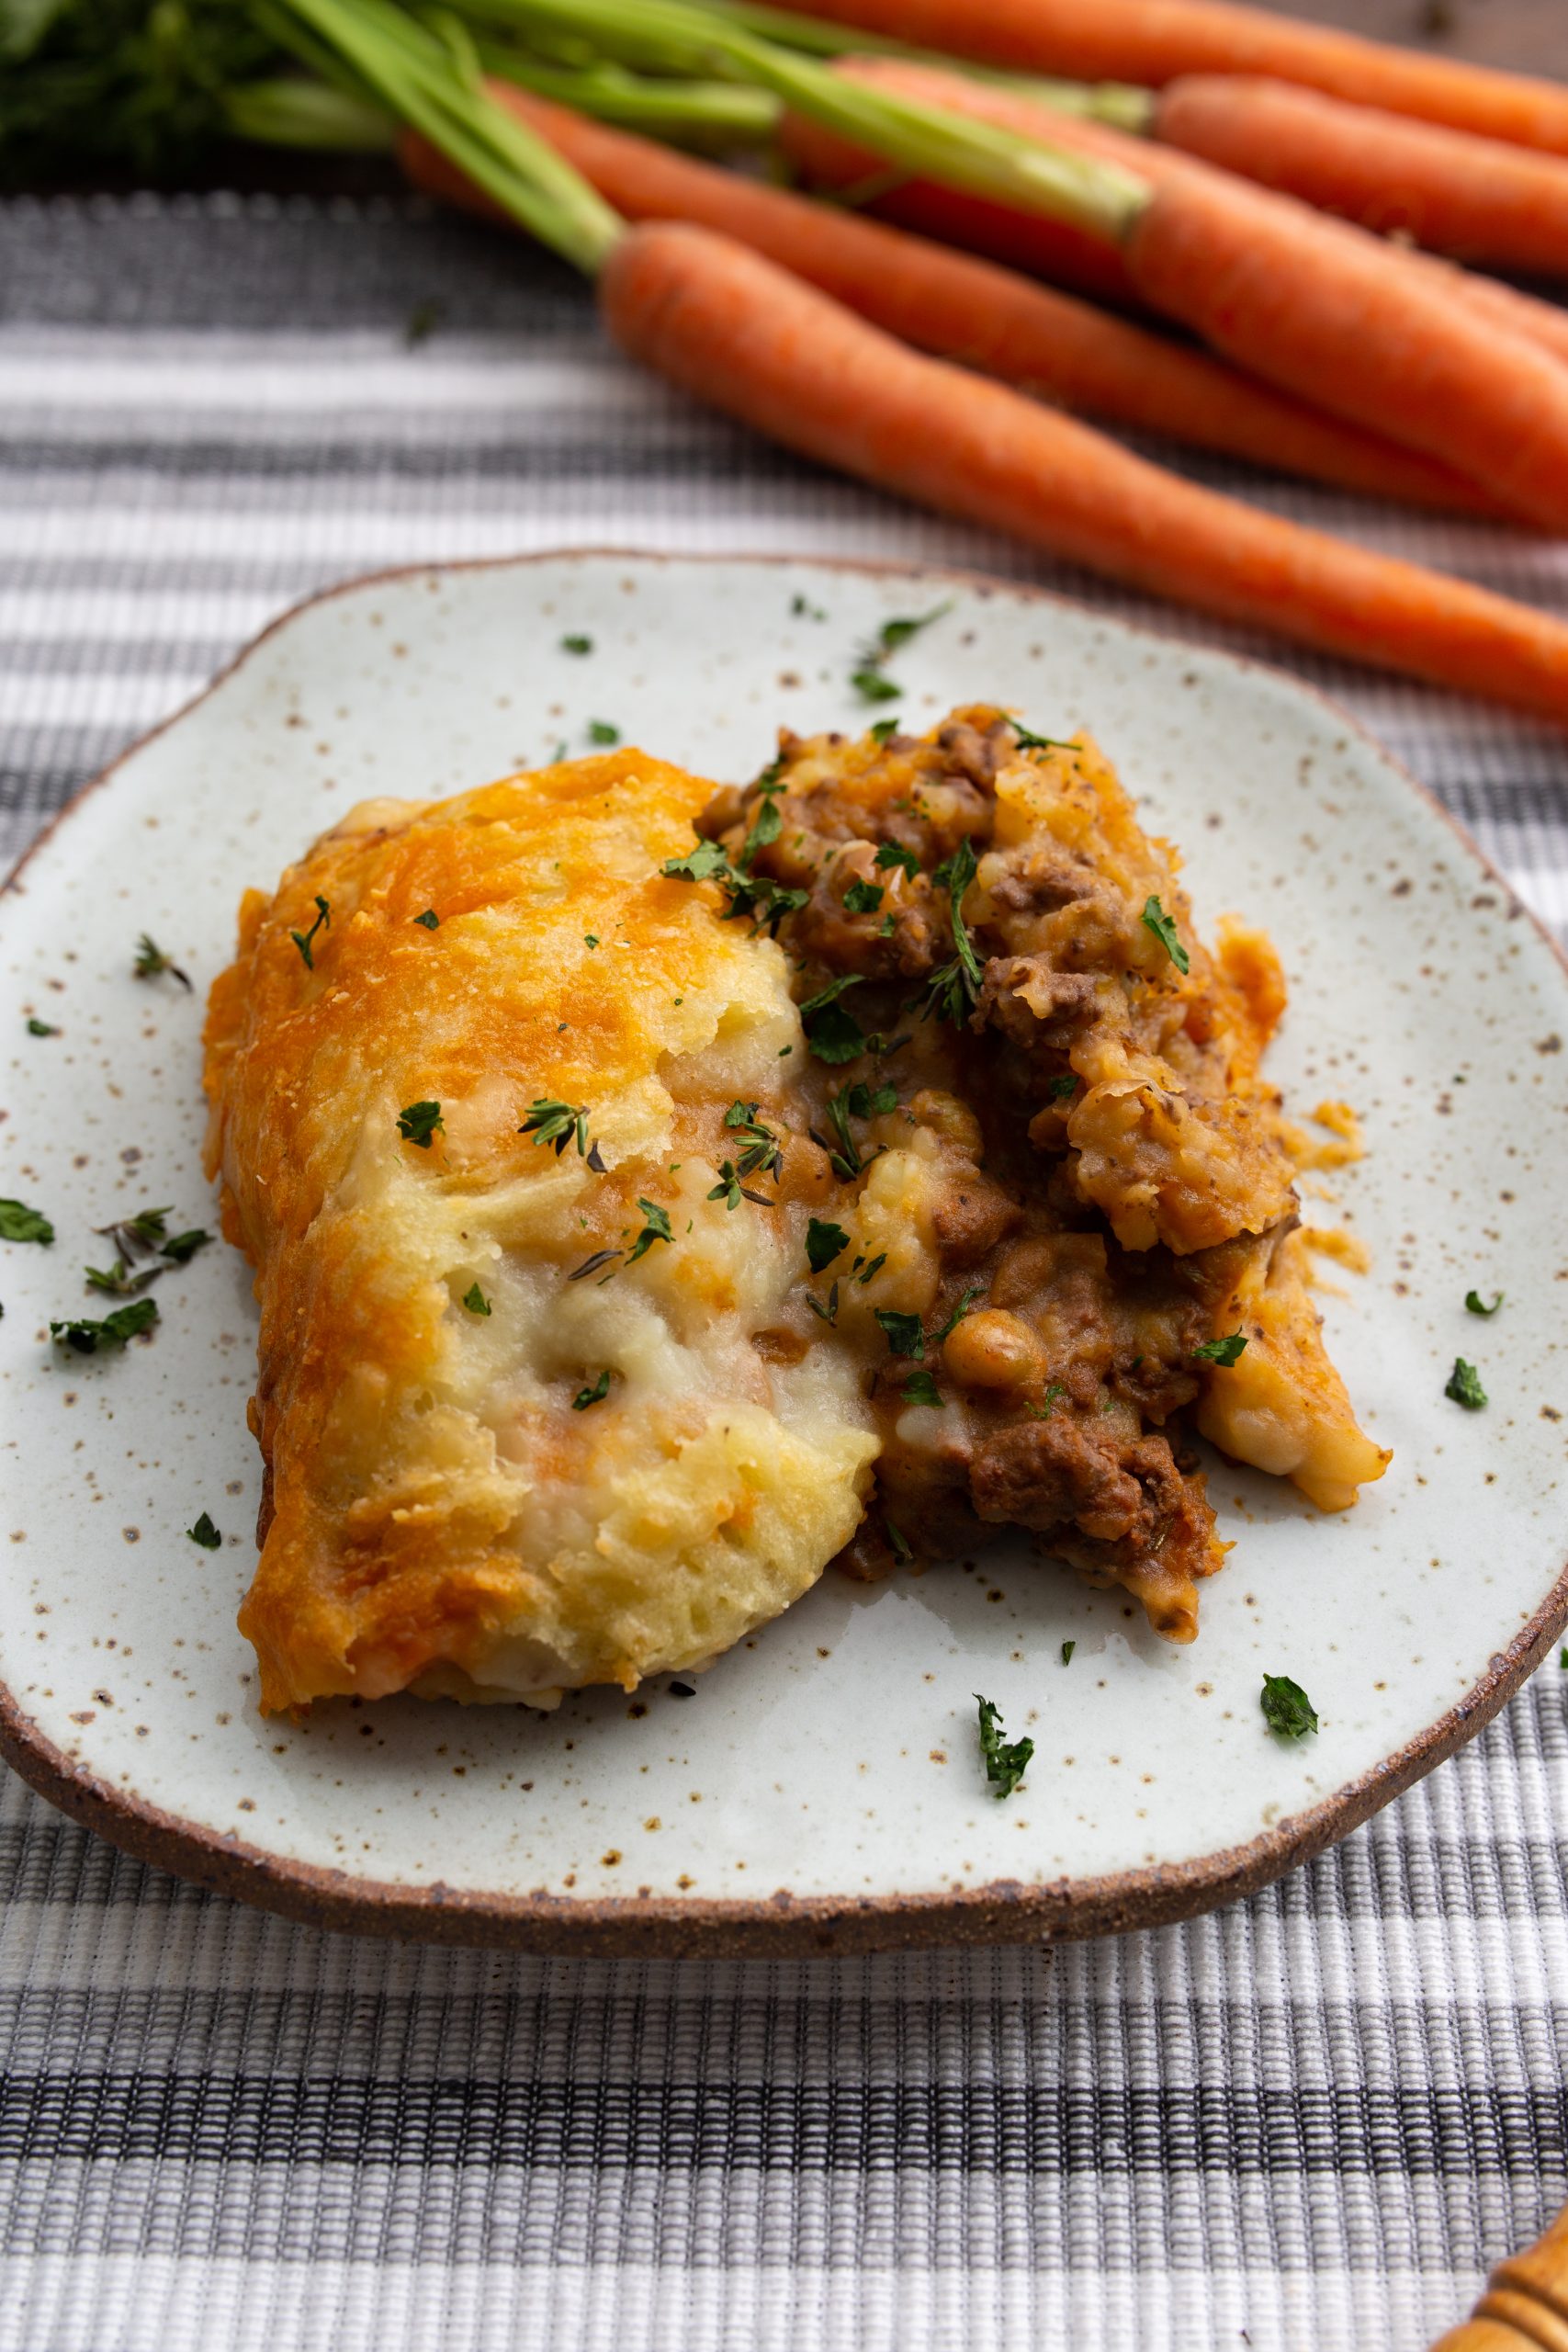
x: 1322, y: 308
x: 967, y: 309
x: 1155, y: 40
x: 1027, y: 241
x: 739, y: 332
x: 1474, y: 198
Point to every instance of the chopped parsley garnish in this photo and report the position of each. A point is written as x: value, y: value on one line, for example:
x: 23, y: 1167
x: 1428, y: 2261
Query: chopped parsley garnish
x: 833, y: 1035
x: 183, y: 1246
x: 599, y: 731
x: 419, y: 1124
x: 590, y: 939
x: 824, y: 1242
x: 862, y: 898
x: 872, y: 1101
x: 429, y: 920
x: 475, y: 1300
x: 556, y: 1123
x: 1049, y: 1402
x: 1223, y: 1351
x: 656, y: 1229
x: 591, y: 1265
x: 1286, y: 1707
x: 205, y: 1533
x: 804, y: 611
x: 868, y: 676
x: 903, y: 1550
x: 959, y: 1312
x: 952, y: 989
x: 1067, y: 1649
x: 595, y: 1396
x: 1006, y: 1761
x: 1154, y: 918
x: 1027, y: 740
x: 1060, y: 1088
x: 1476, y: 1304
x: 893, y: 854
x: 19, y: 1222
x: 881, y: 731
x: 920, y: 1389
x: 37, y: 1028
x: 1464, y: 1387
x: 829, y: 1313
x: 766, y: 825
x: 87, y: 1337
x: 151, y: 961
x: 305, y: 940
x: 905, y: 1336
x: 577, y: 645
x: 705, y: 861
x: 761, y: 1153
x: 873, y: 1267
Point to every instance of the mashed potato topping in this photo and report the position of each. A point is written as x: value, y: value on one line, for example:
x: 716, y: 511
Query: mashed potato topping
x: 444, y: 1512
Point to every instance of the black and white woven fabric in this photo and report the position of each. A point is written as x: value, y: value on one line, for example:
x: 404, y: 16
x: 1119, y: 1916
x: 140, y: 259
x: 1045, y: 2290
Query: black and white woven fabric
x: 1311, y: 2121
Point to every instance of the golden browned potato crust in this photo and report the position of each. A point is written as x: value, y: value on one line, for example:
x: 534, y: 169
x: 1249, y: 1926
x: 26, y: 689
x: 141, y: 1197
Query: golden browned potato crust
x: 438, y: 1513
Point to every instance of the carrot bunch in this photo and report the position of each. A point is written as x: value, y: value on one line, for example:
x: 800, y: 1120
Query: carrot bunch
x: 942, y: 365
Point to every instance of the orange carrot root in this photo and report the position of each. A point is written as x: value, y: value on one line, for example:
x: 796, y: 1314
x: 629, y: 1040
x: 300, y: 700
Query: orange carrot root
x: 1155, y: 40
x: 737, y: 332
x: 987, y: 318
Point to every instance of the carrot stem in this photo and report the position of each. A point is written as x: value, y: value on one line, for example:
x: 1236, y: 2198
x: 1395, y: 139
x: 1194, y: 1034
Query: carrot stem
x: 1089, y: 193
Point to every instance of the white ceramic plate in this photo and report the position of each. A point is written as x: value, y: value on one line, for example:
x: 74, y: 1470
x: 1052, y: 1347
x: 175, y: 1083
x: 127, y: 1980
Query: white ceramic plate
x: 823, y: 1786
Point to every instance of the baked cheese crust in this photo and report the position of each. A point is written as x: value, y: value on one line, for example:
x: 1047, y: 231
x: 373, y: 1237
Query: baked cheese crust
x: 438, y: 1515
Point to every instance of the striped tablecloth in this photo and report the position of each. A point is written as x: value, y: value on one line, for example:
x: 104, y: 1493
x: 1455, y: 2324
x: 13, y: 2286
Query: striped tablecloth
x: 1313, y: 2119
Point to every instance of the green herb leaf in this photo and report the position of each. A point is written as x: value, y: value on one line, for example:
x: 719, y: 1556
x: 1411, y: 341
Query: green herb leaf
x: 921, y: 1389
x: 1286, y: 1707
x: 766, y: 827
x: 727, y: 1188
x: 205, y: 1533
x: 833, y: 1034
x: 705, y: 863
x: 872, y: 1101
x: 475, y: 1300
x: 905, y: 1337
x: 151, y: 961
x: 419, y: 1124
x: 183, y: 1246
x: 595, y: 1396
x: 1006, y: 1761
x: 599, y: 731
x: 1048, y: 1403
x: 577, y: 645
x: 824, y: 1242
x: 37, y: 1028
x: 1475, y: 1305
x: 1067, y: 1649
x: 881, y: 731
x: 556, y: 1123
x: 1154, y: 918
x: 19, y: 1222
x: 305, y: 940
x: 862, y: 898
x: 803, y: 611
x: 1027, y: 740
x: 1060, y: 1088
x: 656, y: 1229
x: 1464, y: 1387
x: 872, y: 1268
x: 87, y: 1337
x: 894, y: 633
x: 959, y: 1312
x: 429, y: 920
x: 894, y: 854
x: 829, y: 1314
x: 117, y: 1281
x: 1222, y: 1351
x: 903, y: 1550
x: 951, y: 991
x: 871, y: 687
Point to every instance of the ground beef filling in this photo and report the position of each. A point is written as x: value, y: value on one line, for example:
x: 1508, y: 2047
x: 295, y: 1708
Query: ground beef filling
x: 1078, y: 1260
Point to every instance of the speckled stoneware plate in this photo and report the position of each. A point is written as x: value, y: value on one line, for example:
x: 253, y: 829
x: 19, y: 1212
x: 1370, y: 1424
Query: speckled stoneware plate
x: 822, y: 1787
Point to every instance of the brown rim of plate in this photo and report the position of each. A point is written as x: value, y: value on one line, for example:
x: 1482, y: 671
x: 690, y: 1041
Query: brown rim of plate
x: 1007, y: 1910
